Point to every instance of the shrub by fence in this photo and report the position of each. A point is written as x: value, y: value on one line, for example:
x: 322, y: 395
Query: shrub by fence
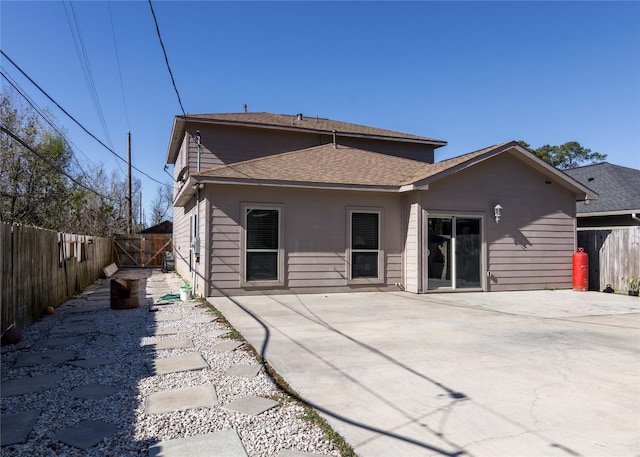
x: 41, y: 268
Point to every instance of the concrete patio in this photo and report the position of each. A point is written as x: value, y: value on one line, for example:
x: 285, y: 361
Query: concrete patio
x: 552, y: 373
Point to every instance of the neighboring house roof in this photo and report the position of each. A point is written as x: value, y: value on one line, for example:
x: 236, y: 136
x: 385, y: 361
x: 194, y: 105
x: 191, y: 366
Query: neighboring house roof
x: 288, y: 122
x: 346, y: 167
x: 618, y: 189
x: 162, y: 227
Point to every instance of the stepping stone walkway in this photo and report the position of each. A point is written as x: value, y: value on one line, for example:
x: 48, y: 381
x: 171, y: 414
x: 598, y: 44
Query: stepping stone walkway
x: 79, y: 328
x: 181, y: 343
x: 181, y: 399
x: 227, y: 346
x: 93, y: 391
x: 28, y: 385
x: 16, y: 427
x: 244, y: 371
x: 225, y: 443
x: 86, y: 434
x: 251, y: 405
x: 40, y: 358
x: 92, y: 362
x: 178, y: 363
x: 59, y: 341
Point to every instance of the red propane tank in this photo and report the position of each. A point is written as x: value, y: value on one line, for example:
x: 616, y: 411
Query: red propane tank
x: 580, y: 270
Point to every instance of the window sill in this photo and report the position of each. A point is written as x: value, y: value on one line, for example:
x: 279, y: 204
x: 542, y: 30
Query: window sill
x: 258, y: 284
x: 371, y: 281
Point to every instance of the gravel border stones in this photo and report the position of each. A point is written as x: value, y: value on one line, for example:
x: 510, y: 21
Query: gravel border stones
x: 127, y: 430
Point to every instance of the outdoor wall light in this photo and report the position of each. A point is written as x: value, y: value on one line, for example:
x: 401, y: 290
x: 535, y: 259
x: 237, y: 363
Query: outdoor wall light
x: 197, y: 186
x: 497, y: 213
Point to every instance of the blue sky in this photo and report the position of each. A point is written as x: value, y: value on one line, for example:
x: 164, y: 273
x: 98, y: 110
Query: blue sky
x: 471, y: 73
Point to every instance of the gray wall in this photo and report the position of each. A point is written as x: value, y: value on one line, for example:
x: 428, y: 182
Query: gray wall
x: 532, y: 246
x: 315, y: 237
x: 229, y: 144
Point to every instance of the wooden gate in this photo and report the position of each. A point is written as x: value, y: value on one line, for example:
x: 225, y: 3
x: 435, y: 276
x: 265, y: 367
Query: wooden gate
x: 141, y: 251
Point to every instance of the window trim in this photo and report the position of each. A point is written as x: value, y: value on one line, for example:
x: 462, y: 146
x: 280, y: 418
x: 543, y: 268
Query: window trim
x: 244, y: 207
x: 380, y: 279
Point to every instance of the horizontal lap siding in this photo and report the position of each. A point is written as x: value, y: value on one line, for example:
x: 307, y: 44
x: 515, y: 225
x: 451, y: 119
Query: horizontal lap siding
x: 538, y: 255
x: 314, y: 235
x: 225, y: 250
x: 181, y: 242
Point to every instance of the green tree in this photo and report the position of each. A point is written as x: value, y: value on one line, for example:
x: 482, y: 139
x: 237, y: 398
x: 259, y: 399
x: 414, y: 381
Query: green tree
x: 32, y: 191
x: 568, y: 155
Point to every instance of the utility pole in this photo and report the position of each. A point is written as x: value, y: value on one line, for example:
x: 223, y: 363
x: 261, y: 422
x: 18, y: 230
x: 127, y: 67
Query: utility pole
x: 129, y: 202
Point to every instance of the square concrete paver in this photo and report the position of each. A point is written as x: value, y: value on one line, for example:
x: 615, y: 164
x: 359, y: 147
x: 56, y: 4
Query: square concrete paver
x: 93, y: 391
x: 251, y: 405
x: 16, y: 427
x: 290, y: 453
x: 181, y: 343
x: 162, y: 331
x: 216, y: 333
x: 28, y: 385
x: 39, y: 358
x: 175, y: 364
x: 202, y: 320
x: 181, y: 399
x: 79, y: 328
x: 59, y: 341
x: 166, y: 317
x: 91, y: 362
x: 226, y: 346
x: 244, y: 371
x: 86, y: 434
x: 224, y: 443
x: 107, y: 340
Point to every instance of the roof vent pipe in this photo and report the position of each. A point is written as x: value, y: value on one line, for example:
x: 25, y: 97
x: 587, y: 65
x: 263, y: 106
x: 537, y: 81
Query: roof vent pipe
x: 299, y: 116
x: 334, y: 140
x: 245, y: 107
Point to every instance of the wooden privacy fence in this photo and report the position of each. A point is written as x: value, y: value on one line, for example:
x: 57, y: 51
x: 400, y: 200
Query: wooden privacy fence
x: 41, y: 268
x: 141, y: 251
x: 614, y: 256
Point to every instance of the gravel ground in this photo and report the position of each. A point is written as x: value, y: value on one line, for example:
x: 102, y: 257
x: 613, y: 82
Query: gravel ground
x: 119, y: 338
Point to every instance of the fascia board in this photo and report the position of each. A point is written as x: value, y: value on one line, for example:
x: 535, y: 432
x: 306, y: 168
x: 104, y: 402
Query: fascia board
x: 175, y: 140
x: 621, y: 212
x: 295, y: 184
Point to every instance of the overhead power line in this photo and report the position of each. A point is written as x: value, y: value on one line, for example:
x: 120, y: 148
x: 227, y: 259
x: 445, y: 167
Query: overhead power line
x: 83, y: 56
x: 37, y: 109
x: 78, y: 122
x: 166, y: 59
x: 115, y: 45
x: 48, y: 161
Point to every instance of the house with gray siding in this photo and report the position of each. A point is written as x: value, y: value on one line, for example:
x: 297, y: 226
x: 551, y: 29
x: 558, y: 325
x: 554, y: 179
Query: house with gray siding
x: 295, y: 204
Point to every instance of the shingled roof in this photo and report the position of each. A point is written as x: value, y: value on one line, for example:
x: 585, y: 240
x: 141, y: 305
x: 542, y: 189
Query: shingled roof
x: 326, y: 166
x: 339, y: 165
x: 618, y: 188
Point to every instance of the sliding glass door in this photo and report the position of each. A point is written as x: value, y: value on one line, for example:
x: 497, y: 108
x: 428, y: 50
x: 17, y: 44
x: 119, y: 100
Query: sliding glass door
x: 454, y: 253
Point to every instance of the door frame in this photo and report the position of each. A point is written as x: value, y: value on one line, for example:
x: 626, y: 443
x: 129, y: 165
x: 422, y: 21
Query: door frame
x: 425, y: 251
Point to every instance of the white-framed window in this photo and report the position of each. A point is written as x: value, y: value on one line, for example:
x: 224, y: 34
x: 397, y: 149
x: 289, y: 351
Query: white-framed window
x: 365, y: 250
x: 263, y: 253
